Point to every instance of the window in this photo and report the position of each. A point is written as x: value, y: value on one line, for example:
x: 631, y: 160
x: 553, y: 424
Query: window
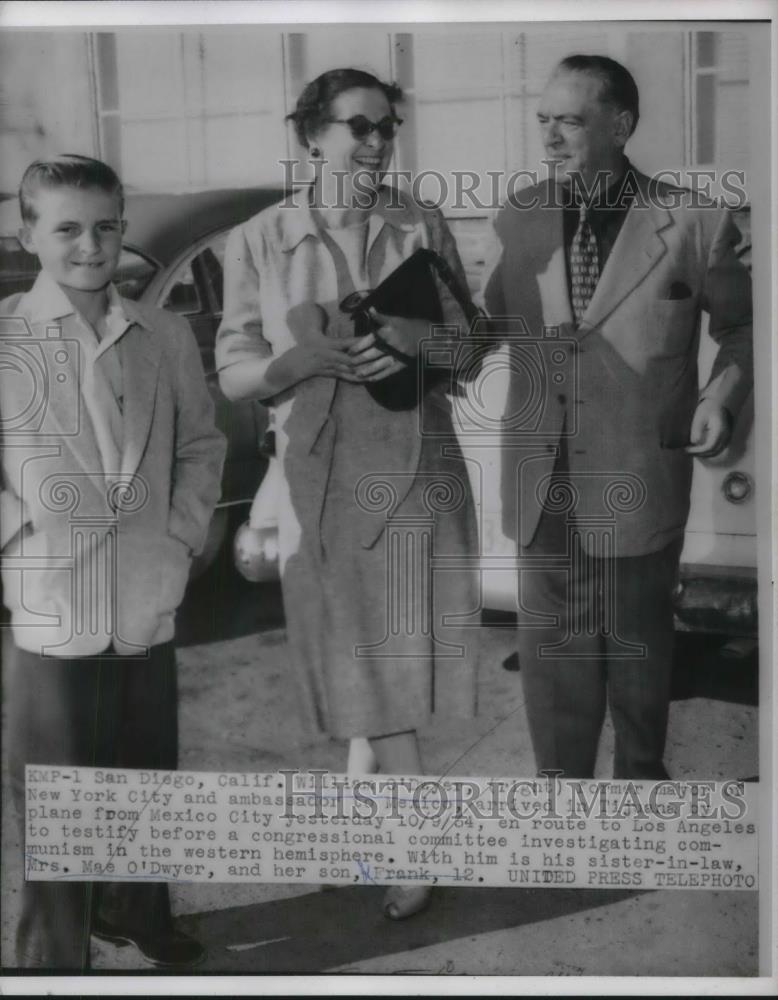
x: 212, y: 263
x: 187, y: 110
x: 133, y: 274
x: 183, y: 297
x: 196, y: 287
x: 720, y: 109
x: 183, y: 110
x: 17, y: 267
x: 474, y: 97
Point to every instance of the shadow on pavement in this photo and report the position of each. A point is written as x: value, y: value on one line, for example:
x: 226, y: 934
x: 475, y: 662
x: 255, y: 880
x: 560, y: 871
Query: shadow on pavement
x: 702, y: 671
x: 328, y: 930
x: 221, y: 605
x: 701, y: 667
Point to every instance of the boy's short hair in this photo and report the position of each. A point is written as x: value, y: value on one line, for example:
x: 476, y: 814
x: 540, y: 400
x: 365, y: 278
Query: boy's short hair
x: 66, y: 170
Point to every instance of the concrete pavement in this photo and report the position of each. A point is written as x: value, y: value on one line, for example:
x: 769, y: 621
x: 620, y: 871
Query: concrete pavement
x: 238, y: 714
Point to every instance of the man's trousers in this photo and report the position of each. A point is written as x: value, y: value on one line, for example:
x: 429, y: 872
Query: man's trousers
x: 595, y: 630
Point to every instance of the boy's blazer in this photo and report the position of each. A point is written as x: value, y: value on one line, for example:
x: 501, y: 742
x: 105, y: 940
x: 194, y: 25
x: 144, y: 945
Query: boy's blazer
x: 627, y: 385
x: 93, y: 556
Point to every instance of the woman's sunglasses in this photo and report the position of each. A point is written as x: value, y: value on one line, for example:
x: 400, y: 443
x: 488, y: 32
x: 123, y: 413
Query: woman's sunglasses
x: 362, y: 127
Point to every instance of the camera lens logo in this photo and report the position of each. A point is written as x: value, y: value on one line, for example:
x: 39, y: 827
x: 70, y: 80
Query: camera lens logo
x: 29, y: 400
x: 33, y: 373
x: 512, y: 380
x: 521, y: 366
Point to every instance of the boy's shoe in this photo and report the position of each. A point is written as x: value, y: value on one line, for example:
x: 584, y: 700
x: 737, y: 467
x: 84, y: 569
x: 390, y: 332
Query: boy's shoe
x: 176, y: 950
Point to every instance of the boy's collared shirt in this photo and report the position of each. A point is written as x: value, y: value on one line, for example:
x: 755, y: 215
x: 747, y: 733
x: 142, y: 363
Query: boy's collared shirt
x: 100, y: 370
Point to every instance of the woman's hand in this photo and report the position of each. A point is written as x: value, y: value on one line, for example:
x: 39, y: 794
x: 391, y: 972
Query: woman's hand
x: 404, y: 335
x: 371, y: 363
x: 317, y: 356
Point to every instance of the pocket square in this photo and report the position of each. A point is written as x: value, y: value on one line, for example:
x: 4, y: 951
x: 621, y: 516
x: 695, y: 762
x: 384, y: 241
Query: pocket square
x: 678, y: 290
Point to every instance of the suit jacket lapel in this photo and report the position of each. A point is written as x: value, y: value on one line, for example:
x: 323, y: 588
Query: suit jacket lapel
x: 140, y: 353
x: 638, y: 249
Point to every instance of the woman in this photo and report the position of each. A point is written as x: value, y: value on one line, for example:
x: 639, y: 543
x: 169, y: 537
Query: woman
x: 374, y: 652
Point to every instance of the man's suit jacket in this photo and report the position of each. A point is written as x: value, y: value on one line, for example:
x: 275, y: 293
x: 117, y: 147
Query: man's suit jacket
x: 624, y: 384
x: 90, y: 558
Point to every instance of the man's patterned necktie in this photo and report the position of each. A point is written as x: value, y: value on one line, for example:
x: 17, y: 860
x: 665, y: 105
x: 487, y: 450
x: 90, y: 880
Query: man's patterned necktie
x: 584, y: 266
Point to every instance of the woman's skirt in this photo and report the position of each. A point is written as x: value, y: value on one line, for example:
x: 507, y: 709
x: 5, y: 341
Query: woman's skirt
x: 382, y: 598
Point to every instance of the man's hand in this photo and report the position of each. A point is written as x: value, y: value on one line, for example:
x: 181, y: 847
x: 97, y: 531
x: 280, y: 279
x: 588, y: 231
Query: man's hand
x: 371, y: 363
x: 711, y: 429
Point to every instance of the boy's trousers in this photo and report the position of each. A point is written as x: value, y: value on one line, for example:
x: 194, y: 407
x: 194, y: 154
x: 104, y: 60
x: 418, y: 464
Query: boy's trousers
x: 97, y: 711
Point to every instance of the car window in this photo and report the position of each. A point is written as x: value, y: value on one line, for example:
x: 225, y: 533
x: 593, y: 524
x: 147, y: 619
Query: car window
x: 213, y: 268
x: 212, y: 277
x: 183, y: 297
x: 133, y: 274
x: 218, y: 245
x: 18, y: 270
x: 197, y: 284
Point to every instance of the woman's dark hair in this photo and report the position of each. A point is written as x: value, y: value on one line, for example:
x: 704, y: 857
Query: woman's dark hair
x: 314, y: 105
x: 618, y: 85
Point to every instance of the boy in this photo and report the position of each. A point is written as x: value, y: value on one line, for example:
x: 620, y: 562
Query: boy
x: 111, y: 467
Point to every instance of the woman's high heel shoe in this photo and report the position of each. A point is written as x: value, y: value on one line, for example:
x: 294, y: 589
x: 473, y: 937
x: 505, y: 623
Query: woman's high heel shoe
x: 361, y: 760
x: 401, y: 902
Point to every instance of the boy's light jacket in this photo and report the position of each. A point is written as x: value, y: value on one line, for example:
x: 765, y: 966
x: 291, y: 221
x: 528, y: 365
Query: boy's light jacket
x: 94, y: 556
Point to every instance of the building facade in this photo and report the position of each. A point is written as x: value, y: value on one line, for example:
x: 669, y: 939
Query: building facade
x: 179, y: 110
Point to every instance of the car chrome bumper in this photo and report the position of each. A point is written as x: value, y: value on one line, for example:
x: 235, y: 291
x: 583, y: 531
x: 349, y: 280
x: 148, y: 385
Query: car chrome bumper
x: 722, y: 601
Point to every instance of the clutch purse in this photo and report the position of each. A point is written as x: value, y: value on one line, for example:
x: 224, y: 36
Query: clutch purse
x: 409, y: 291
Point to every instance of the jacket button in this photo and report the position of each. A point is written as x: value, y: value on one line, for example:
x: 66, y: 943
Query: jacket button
x: 562, y: 397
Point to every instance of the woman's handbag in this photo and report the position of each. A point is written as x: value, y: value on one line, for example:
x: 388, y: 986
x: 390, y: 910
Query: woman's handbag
x: 256, y: 540
x: 410, y: 292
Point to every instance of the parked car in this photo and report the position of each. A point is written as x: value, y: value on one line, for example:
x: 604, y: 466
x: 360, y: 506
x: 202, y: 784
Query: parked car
x: 172, y: 258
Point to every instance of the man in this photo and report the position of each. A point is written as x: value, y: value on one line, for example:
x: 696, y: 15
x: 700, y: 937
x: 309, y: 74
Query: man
x: 604, y: 274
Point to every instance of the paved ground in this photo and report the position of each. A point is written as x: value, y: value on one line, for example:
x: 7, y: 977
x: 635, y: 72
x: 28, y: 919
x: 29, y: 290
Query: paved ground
x: 237, y: 714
